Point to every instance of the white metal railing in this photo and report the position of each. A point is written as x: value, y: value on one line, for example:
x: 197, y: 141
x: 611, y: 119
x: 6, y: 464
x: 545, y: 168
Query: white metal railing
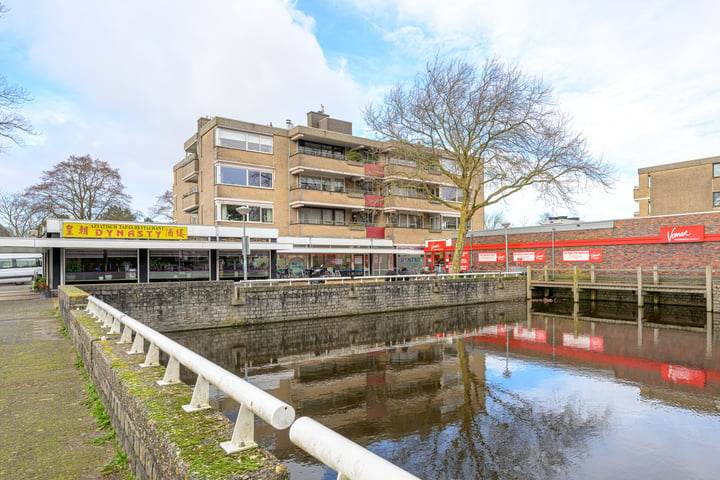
x: 252, y: 400
x: 373, y: 279
x: 350, y: 460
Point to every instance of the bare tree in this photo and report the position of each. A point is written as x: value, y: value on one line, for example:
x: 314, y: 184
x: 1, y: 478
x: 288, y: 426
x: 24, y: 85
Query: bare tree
x: 494, y: 220
x: 18, y: 215
x: 163, y: 208
x: 12, y: 124
x: 490, y: 132
x: 80, y: 188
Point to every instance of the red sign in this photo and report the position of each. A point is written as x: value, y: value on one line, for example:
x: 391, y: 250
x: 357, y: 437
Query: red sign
x: 528, y: 257
x: 584, y: 342
x: 589, y: 255
x: 692, y: 233
x: 684, y: 375
x: 374, y: 170
x: 435, y: 245
x: 374, y: 201
x: 490, y: 257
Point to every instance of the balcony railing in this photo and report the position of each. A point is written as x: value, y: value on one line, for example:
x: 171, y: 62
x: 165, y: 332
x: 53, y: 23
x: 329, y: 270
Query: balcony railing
x: 319, y: 153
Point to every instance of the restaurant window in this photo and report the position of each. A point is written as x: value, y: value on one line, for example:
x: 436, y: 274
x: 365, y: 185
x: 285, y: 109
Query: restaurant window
x: 115, y: 266
x: 169, y: 265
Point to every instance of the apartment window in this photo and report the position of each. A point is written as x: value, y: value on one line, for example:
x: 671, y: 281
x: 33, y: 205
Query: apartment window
x: 450, y: 223
x: 402, y: 161
x: 252, y: 142
x: 321, y: 183
x: 403, y: 220
x: 716, y: 169
x: 244, y: 177
x: 321, y: 216
x: 451, y: 194
x: 257, y: 214
x: 410, y: 192
x: 321, y: 150
x: 716, y: 199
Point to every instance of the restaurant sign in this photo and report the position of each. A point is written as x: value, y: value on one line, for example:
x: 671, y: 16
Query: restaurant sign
x: 123, y: 231
x: 692, y: 233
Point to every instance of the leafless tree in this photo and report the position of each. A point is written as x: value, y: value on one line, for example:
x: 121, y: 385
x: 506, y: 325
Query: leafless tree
x: 79, y: 188
x: 12, y: 124
x: 18, y: 215
x: 490, y: 132
x: 163, y: 208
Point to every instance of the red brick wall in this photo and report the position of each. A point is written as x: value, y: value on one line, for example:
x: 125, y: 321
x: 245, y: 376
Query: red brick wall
x: 626, y: 246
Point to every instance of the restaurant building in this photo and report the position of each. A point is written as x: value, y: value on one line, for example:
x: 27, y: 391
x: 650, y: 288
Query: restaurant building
x: 77, y: 252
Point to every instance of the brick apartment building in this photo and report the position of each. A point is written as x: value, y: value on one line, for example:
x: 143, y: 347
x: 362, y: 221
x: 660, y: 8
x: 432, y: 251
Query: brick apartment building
x: 308, y: 181
x: 683, y: 187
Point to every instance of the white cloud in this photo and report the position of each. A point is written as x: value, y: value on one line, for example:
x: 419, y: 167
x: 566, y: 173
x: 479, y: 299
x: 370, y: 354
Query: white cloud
x: 135, y: 79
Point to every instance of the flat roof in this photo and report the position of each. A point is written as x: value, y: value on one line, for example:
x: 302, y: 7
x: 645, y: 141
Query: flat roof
x: 676, y: 165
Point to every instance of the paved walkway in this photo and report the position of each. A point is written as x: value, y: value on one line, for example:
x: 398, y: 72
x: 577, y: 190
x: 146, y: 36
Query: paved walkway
x: 44, y: 428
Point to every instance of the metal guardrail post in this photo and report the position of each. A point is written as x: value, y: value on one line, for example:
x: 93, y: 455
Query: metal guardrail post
x: 201, y: 396
x: 641, y: 302
x: 576, y: 289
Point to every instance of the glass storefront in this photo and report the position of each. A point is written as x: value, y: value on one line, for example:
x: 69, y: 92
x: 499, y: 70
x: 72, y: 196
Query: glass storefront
x: 168, y: 265
x: 82, y: 266
x: 231, y: 265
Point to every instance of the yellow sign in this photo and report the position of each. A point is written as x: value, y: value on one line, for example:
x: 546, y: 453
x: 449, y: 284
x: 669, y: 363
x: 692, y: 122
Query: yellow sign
x: 124, y: 231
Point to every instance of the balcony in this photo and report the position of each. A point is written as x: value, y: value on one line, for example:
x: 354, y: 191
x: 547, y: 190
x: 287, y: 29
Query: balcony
x: 301, y: 229
x: 396, y: 202
x: 307, y: 196
x: 191, y: 170
x: 306, y: 162
x: 190, y: 202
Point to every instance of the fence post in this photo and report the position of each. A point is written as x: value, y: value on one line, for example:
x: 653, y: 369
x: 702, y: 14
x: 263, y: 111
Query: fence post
x: 576, y: 290
x: 639, y: 287
x: 528, y: 292
x: 708, y: 288
x: 656, y: 275
x: 592, y: 273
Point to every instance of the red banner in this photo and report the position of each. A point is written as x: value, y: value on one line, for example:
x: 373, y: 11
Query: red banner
x: 587, y: 255
x: 374, y: 201
x: 529, y: 257
x: 692, y: 233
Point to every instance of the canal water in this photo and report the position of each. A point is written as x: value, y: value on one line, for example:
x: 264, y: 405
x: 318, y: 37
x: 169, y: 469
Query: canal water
x: 498, y: 391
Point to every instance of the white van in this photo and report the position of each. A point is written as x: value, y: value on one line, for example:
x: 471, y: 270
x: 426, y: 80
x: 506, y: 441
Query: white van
x: 19, y: 268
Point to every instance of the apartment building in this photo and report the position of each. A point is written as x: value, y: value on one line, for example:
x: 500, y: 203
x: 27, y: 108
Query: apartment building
x: 317, y: 180
x: 683, y: 187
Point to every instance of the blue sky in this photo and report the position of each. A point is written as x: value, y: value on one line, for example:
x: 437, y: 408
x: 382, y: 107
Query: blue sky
x: 126, y: 82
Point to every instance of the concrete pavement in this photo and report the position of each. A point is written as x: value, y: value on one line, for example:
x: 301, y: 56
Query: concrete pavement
x: 45, y: 429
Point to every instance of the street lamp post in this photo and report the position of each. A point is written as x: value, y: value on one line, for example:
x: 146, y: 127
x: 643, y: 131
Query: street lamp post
x: 507, y: 259
x: 244, y: 210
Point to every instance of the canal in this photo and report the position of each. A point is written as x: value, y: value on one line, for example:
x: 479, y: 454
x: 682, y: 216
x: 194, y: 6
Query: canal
x: 502, y: 391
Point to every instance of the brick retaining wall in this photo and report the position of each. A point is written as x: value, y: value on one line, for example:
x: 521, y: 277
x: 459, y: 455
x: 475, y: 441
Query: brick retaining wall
x: 145, y: 416
x: 197, y: 305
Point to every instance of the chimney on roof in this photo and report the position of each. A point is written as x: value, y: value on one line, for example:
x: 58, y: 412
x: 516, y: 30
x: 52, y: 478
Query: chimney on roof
x: 323, y: 121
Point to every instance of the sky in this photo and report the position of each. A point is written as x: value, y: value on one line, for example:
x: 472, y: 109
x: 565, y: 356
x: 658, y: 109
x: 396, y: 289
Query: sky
x: 125, y: 82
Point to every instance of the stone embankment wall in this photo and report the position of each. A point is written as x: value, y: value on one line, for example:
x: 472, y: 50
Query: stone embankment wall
x: 159, y: 438
x: 197, y: 305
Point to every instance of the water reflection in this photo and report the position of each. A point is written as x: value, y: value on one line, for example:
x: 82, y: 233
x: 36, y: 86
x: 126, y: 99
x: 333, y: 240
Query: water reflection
x: 506, y: 391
